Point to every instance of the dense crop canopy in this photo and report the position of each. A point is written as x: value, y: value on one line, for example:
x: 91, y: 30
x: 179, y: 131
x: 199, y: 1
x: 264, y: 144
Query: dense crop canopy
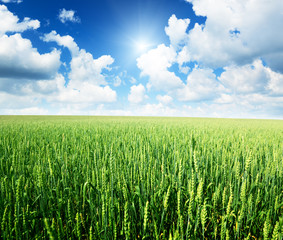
x: 140, y: 178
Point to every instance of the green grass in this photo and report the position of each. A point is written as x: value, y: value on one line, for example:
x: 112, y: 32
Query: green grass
x: 140, y: 178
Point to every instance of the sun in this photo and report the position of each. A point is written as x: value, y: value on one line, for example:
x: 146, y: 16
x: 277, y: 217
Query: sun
x: 141, y: 46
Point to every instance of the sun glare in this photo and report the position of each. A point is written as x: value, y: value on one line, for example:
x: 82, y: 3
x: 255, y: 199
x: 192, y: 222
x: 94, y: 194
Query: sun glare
x: 142, y: 46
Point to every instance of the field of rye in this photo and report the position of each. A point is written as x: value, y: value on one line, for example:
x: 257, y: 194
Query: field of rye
x: 140, y: 178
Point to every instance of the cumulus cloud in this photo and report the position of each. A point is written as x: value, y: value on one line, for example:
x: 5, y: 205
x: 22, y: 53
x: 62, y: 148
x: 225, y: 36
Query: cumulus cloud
x: 11, y: 1
x: 245, y: 79
x: 176, y: 30
x: 183, y: 58
x: 12, y: 101
x: 202, y: 85
x: 137, y: 94
x: 88, y: 94
x: 240, y: 38
x: 165, y: 99
x: 274, y: 60
x: 25, y: 74
x: 237, y: 32
x: 86, y: 69
x: 155, y: 64
x: 83, y: 67
x: 55, y: 92
x: 27, y: 77
x: 68, y: 15
x: 35, y: 88
x: 251, y: 105
x: 20, y: 63
x: 10, y: 23
x: 86, y: 74
x: 19, y: 60
x: 243, y: 38
x: 275, y: 84
x: 252, y: 78
x: 65, y: 41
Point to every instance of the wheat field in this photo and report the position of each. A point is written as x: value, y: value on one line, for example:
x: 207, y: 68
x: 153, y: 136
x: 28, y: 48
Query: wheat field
x: 140, y: 178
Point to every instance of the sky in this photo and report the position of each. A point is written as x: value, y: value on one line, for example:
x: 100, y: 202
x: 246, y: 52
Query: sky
x: 189, y: 58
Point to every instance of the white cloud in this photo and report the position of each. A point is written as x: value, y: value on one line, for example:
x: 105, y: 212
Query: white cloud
x: 176, y: 30
x: 165, y: 99
x: 11, y: 1
x: 155, y: 64
x: 237, y: 32
x: 245, y: 79
x: 238, y: 108
x: 137, y: 94
x: 86, y: 69
x: 86, y: 75
x: 117, y: 81
x: 26, y: 111
x: 68, y: 15
x: 21, y: 65
x: 11, y: 101
x: 19, y: 60
x: 156, y: 110
x: 143, y: 110
x: 201, y: 85
x: 87, y: 94
x: 65, y: 41
x: 31, y: 93
x: 275, y: 84
x: 224, y: 99
x: 27, y: 77
x: 235, y: 36
x: 133, y: 80
x: 252, y: 78
x: 246, y: 106
x: 33, y: 88
x: 182, y: 58
x: 10, y: 23
x: 274, y: 60
x: 83, y: 67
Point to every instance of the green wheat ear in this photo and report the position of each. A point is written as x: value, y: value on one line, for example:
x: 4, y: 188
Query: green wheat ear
x: 199, y: 192
x: 49, y: 231
x: 227, y: 235
x: 126, y: 221
x: 78, y: 226
x: 230, y: 202
x: 224, y: 198
x: 4, y: 222
x: 167, y: 198
x: 266, y: 228
x: 243, y: 192
x: 146, y: 214
x: 90, y: 233
x: 203, y: 217
x: 276, y: 231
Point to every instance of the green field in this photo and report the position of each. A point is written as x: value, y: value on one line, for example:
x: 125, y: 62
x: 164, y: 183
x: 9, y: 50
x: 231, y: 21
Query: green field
x: 140, y: 178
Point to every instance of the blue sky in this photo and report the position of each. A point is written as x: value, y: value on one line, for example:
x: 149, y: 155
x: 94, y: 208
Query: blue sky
x: 194, y: 58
